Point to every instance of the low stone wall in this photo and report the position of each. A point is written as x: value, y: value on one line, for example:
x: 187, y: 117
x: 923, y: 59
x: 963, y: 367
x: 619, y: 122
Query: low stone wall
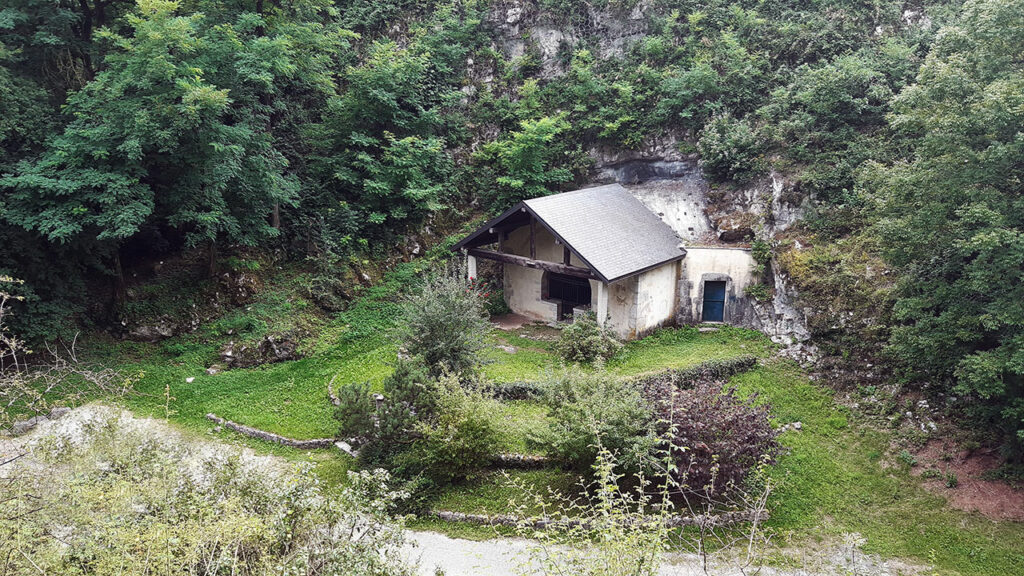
x: 546, y: 522
x: 270, y: 436
x: 522, y: 461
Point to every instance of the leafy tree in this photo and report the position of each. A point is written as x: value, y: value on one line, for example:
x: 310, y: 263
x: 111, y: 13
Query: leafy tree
x: 27, y: 116
x: 953, y: 216
x: 527, y: 161
x: 377, y: 140
x: 156, y: 137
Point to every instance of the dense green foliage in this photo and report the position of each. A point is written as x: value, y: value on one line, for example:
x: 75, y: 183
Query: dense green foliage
x: 594, y: 410
x: 953, y: 216
x: 135, y: 132
x: 586, y: 341
x: 431, y: 432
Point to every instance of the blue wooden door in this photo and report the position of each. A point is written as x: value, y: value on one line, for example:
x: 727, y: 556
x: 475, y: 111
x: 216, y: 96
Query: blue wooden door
x: 714, y: 302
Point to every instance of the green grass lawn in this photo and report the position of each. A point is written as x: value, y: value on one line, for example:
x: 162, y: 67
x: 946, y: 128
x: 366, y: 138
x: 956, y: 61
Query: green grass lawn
x: 290, y: 398
x: 836, y: 477
x: 518, y: 422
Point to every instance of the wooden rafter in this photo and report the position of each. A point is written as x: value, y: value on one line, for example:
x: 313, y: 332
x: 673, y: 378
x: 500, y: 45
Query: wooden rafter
x: 532, y: 263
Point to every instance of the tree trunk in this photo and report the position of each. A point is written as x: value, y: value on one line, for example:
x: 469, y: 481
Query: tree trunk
x: 213, y: 259
x: 120, y: 284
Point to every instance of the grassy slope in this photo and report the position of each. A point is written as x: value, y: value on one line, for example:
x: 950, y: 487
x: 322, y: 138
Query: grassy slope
x: 837, y: 479
x: 834, y: 478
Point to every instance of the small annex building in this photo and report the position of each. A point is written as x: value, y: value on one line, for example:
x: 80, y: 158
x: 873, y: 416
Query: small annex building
x: 602, y: 249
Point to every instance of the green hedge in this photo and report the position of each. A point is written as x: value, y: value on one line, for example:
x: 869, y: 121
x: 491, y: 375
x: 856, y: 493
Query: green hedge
x: 709, y: 370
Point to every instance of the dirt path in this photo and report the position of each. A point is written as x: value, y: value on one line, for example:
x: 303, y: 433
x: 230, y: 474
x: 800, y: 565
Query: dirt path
x: 511, y: 557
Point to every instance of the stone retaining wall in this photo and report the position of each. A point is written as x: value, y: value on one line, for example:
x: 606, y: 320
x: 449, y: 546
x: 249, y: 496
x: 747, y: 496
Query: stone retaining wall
x: 270, y: 436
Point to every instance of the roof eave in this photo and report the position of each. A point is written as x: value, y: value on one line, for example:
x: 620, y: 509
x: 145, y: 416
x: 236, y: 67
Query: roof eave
x: 647, y: 268
x: 461, y: 244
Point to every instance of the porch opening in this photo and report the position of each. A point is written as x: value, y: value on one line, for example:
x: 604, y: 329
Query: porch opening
x: 567, y: 292
x: 714, y: 301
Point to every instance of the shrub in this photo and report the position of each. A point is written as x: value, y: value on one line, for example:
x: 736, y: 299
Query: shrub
x: 444, y: 324
x: 423, y: 427
x: 106, y: 493
x: 493, y: 296
x: 515, y: 390
x: 586, y: 341
x: 730, y: 149
x: 355, y: 411
x: 908, y: 458
x: 714, y: 438
x: 719, y: 369
x: 410, y: 395
x: 760, y: 292
x: 460, y: 441
x: 592, y: 409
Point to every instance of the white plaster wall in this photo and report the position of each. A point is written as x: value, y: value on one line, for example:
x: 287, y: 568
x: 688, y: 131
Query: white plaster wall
x: 735, y: 263
x: 656, y: 297
x: 621, y: 307
x: 523, y: 285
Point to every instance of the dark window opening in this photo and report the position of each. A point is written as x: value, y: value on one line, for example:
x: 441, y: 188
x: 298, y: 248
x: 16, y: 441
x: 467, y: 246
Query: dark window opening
x: 568, y: 292
x: 714, y: 302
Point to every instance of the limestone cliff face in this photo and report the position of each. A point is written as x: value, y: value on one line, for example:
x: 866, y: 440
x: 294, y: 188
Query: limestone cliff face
x: 523, y: 29
x: 673, y: 187
x: 658, y: 173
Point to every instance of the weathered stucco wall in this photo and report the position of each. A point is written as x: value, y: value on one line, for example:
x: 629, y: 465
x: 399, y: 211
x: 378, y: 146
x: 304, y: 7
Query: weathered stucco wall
x: 656, y: 297
x: 621, y: 307
x: 733, y: 265
x: 523, y: 285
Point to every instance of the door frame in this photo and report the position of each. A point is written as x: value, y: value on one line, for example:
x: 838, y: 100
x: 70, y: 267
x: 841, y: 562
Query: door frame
x: 729, y: 296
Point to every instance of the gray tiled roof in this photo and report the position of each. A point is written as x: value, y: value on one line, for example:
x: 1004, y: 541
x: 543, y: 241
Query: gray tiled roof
x: 609, y: 229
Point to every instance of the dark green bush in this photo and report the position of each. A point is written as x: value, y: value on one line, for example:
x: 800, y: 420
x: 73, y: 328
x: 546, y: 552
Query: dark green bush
x: 588, y: 407
x: 410, y: 395
x: 459, y: 441
x: 515, y: 390
x: 437, y: 430
x: 586, y: 341
x: 355, y: 411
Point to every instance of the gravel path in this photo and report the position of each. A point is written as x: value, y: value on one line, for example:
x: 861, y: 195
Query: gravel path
x: 511, y: 557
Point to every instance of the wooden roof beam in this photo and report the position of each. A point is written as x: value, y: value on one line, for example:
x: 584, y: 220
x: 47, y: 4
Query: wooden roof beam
x: 532, y: 263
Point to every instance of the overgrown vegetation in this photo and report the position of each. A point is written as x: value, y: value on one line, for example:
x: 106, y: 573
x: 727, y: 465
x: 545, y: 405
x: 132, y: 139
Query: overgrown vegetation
x: 593, y: 410
x: 444, y: 324
x: 586, y: 341
x: 715, y: 440
x: 313, y: 144
x: 185, y: 507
